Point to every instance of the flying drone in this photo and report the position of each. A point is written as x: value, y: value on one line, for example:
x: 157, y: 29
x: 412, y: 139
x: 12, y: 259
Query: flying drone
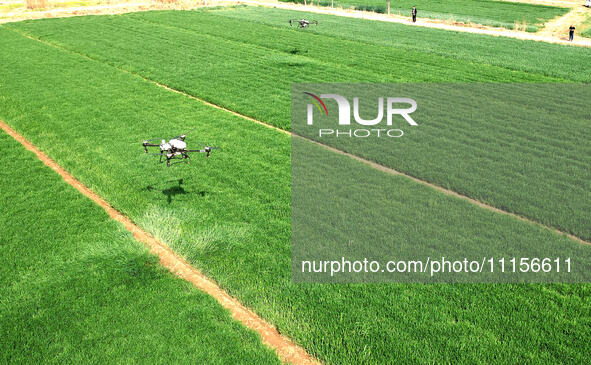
x: 175, y: 148
x: 302, y: 23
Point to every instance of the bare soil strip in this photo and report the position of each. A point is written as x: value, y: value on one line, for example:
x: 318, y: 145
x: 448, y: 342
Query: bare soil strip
x: 107, y: 9
x: 355, y: 157
x: 78, y: 11
x: 422, y: 22
x: 558, y: 3
x: 558, y: 28
x: 287, y: 351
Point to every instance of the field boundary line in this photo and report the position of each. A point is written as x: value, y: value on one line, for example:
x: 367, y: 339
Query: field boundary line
x: 373, y: 164
x: 286, y: 350
x: 370, y: 163
x: 149, y: 81
x: 445, y: 191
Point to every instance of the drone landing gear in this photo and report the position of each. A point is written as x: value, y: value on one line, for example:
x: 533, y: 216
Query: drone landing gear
x: 186, y: 157
x: 182, y: 156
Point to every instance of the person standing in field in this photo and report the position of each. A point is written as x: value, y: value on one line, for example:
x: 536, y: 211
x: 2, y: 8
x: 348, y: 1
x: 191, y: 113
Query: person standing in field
x: 571, y: 32
x: 414, y: 14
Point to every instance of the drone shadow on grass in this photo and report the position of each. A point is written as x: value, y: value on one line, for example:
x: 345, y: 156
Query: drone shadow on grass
x: 172, y: 191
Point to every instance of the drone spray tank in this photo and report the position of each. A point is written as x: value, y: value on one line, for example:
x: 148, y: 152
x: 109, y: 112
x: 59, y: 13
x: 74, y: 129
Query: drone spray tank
x: 178, y: 144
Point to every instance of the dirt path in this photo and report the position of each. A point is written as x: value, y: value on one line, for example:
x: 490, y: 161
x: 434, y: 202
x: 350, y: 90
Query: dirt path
x: 117, y: 8
x: 76, y: 11
x: 286, y: 350
x: 421, y: 22
x: 559, y: 3
x: 558, y: 28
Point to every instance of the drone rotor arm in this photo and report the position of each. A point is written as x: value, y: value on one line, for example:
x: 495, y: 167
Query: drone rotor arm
x: 147, y: 144
x: 206, y: 150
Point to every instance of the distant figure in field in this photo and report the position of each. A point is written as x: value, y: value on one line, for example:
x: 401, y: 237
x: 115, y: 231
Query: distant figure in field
x: 571, y: 32
x: 414, y: 13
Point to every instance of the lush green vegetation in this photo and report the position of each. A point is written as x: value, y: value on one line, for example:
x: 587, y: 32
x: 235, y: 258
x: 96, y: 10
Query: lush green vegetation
x: 362, y: 216
x: 194, y: 52
x: 76, y: 287
x: 230, y: 215
x: 487, y: 12
x: 511, y: 54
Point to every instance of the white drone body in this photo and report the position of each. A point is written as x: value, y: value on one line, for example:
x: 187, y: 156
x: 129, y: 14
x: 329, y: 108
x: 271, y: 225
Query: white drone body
x: 302, y: 23
x: 178, y: 144
x: 175, y: 148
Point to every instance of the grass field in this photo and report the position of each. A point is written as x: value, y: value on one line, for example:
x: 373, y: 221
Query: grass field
x: 231, y: 215
x: 78, y: 288
x: 489, y: 169
x: 494, y: 13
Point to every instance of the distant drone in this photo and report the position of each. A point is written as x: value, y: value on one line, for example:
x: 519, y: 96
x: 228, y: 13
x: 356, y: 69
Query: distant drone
x: 302, y: 23
x: 175, y: 148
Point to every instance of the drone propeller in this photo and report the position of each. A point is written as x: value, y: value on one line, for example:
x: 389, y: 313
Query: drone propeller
x: 205, y: 149
x: 184, y: 134
x: 209, y: 148
x: 197, y: 143
x: 146, y: 140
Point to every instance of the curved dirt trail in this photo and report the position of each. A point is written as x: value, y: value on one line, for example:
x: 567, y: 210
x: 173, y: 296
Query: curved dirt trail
x: 287, y: 351
x: 559, y: 3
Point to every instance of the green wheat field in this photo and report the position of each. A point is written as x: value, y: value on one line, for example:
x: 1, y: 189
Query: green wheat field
x: 76, y: 287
